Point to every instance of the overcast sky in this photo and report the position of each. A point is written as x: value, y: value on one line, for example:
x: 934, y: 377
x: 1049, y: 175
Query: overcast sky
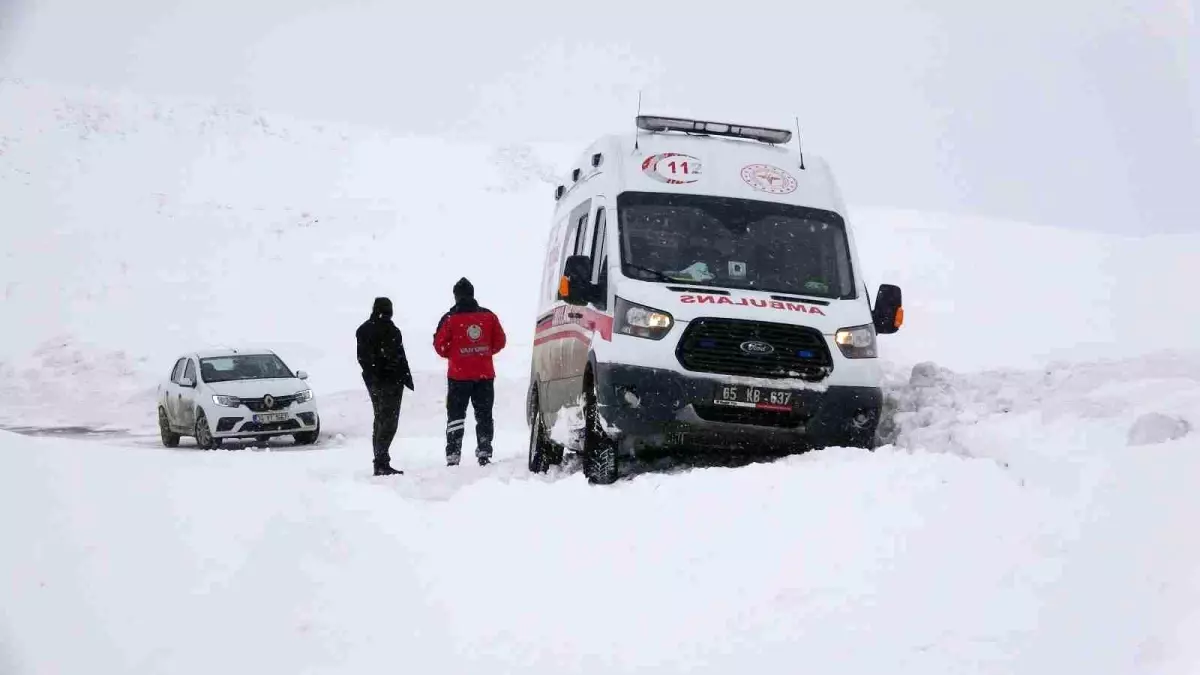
x: 1081, y: 113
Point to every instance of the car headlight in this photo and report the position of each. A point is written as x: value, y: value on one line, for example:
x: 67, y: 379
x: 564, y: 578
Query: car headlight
x: 640, y: 321
x: 857, y: 342
x: 304, y: 396
x: 227, y: 401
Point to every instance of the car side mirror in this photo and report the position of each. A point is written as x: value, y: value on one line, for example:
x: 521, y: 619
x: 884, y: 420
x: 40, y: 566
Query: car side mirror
x: 888, y: 314
x: 187, y: 383
x: 575, y: 287
x: 301, y: 374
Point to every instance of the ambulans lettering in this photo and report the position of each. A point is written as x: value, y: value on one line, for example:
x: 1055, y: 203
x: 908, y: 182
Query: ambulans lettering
x: 749, y: 302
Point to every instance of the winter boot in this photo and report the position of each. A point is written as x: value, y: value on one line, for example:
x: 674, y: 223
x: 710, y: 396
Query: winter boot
x: 387, y: 470
x: 452, y: 460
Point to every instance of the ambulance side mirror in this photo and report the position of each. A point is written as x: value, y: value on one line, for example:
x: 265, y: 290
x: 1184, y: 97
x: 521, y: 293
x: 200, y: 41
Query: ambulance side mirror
x: 888, y: 314
x: 575, y: 287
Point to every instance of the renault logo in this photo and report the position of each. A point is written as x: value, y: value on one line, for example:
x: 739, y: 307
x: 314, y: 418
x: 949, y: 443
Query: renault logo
x: 757, y: 347
x: 269, y: 401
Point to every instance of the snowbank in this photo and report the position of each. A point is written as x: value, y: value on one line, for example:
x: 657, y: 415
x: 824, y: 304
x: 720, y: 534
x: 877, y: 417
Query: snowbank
x: 1034, y: 512
x: 140, y: 229
x: 1031, y: 540
x: 154, y: 229
x: 982, y: 294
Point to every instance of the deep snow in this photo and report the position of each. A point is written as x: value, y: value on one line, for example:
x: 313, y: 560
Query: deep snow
x: 1033, y: 513
x: 140, y: 229
x: 995, y: 537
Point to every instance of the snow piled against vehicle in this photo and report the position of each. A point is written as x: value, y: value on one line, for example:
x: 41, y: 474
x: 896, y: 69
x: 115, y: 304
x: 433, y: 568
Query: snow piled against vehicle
x: 1011, y: 529
x: 1034, y: 511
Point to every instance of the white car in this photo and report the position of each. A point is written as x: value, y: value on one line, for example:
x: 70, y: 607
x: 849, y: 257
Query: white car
x: 231, y: 393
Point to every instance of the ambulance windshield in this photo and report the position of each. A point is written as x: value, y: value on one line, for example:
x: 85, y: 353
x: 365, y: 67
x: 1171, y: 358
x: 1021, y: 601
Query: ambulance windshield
x: 734, y: 243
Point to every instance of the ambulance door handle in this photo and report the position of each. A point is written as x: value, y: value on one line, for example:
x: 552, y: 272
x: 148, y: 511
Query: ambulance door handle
x: 574, y: 315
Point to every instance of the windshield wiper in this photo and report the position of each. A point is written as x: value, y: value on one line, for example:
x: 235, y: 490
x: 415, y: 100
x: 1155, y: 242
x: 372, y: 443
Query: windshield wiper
x: 655, y: 273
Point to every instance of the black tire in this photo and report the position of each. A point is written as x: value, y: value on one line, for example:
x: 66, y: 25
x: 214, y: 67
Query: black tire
x: 170, y: 439
x: 539, y: 444
x: 554, y: 454
x: 307, y: 437
x: 204, y: 437
x: 599, y: 451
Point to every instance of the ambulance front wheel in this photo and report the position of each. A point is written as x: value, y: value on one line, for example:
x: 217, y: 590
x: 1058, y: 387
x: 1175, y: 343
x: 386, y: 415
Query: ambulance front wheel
x: 599, y: 451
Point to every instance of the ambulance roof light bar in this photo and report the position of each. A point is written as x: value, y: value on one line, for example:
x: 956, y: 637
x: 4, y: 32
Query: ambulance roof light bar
x: 763, y: 134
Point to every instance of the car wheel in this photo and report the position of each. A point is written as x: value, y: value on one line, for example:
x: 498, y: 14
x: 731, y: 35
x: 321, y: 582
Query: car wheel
x: 599, y: 451
x: 204, y: 437
x: 539, y: 444
x: 307, y: 437
x: 169, y: 438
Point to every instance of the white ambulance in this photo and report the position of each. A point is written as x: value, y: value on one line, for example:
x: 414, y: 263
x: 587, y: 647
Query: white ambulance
x: 702, y: 290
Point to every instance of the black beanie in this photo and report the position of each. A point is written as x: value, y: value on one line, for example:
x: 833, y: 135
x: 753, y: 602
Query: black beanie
x: 463, y: 289
x: 382, y: 307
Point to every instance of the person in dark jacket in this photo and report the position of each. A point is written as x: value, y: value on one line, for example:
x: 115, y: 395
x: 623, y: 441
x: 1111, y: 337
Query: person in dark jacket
x: 468, y: 336
x: 386, y: 373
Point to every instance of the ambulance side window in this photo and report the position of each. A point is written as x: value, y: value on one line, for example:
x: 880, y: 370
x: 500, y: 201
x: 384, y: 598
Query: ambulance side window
x: 579, y: 221
x: 600, y: 261
x: 580, y: 234
x: 554, y: 250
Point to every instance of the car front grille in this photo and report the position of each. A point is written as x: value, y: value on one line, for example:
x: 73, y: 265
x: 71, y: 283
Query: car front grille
x: 712, y: 345
x: 256, y: 427
x: 259, y: 404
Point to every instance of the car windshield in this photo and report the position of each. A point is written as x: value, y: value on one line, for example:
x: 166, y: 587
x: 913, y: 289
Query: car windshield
x: 247, y: 367
x: 734, y: 243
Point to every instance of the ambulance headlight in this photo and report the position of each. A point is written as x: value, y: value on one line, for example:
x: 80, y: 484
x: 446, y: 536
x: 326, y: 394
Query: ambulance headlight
x: 857, y: 342
x: 640, y: 321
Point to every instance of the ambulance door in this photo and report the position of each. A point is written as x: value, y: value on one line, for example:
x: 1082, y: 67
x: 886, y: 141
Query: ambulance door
x: 558, y: 332
x: 545, y: 342
x: 576, y: 341
x: 598, y: 320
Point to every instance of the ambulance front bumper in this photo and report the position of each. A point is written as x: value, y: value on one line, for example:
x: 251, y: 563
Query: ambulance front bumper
x: 649, y: 408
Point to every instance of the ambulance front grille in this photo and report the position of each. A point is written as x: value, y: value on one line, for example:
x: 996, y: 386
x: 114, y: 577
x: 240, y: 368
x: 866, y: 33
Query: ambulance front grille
x: 712, y: 345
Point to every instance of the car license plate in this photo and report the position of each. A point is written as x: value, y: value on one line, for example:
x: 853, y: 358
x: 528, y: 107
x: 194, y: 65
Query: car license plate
x: 269, y: 418
x: 742, y: 396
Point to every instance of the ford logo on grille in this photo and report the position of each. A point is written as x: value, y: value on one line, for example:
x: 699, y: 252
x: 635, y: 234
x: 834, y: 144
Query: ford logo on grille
x: 756, y: 347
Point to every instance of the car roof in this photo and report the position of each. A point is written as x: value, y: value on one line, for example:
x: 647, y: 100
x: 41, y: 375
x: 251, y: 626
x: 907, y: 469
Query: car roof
x: 230, y: 351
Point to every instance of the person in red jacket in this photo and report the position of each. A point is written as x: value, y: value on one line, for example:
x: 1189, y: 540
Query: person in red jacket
x: 468, y: 336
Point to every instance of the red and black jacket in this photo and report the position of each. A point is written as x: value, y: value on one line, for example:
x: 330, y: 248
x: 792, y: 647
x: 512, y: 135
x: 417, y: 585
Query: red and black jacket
x: 468, y: 336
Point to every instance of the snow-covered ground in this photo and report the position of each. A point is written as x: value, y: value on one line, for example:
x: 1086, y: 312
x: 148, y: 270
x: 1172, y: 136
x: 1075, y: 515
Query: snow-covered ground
x: 1034, y: 511
x: 1014, y: 529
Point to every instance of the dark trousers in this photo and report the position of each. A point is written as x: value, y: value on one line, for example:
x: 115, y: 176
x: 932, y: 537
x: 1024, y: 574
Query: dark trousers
x: 385, y: 400
x: 481, y: 395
